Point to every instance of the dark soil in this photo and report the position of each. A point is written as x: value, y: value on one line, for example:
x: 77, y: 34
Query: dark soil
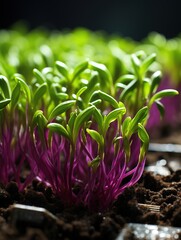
x: 79, y: 223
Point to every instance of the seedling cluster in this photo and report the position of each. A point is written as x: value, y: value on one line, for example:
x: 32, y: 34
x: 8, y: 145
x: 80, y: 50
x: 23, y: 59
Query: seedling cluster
x: 168, y: 55
x: 79, y: 129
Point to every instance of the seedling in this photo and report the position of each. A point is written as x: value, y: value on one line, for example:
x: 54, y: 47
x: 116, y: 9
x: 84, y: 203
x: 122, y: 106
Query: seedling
x: 75, y: 131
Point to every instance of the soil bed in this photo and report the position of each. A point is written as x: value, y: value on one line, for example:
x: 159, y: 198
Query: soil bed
x: 78, y: 223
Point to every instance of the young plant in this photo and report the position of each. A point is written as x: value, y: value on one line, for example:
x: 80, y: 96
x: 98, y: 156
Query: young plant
x: 90, y: 147
x: 14, y: 129
x: 89, y: 156
x: 168, y: 57
x: 73, y: 132
x: 140, y: 88
x: 137, y: 89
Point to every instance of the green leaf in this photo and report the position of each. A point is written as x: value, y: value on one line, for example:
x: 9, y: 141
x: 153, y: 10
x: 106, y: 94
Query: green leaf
x: 142, y: 133
x: 96, y: 102
x: 93, y: 81
x: 121, y: 85
x: 80, y: 119
x: 39, y: 120
x: 62, y: 96
x: 160, y: 107
x: 4, y: 84
x: 24, y: 86
x: 128, y: 89
x: 146, y: 87
x: 40, y: 91
x: 101, y: 69
x: 140, y: 54
x: 99, y: 118
x: 39, y: 76
x: 136, y: 65
x: 82, y: 90
x: 112, y: 116
x: 47, y: 54
x: 91, y: 87
x: 117, y: 139
x: 63, y: 69
x: 125, y: 126
x: 58, y: 128
x: 104, y: 73
x: 71, y: 121
x: 61, y: 108
x: 121, y: 105
x: 4, y: 103
x: 138, y: 118
x: 55, y: 95
x: 163, y: 93
x: 125, y: 79
x: 94, y: 164
x: 15, y: 94
x: 46, y: 71
x: 79, y: 69
x: 155, y: 81
x: 96, y: 136
x: 106, y: 97
x: 147, y: 63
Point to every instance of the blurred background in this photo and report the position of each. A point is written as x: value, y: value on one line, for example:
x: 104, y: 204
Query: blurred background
x: 128, y: 18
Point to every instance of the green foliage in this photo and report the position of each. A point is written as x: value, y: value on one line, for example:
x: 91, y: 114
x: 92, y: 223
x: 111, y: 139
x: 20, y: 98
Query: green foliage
x: 82, y: 117
x: 139, y: 89
x: 96, y: 136
x: 58, y: 128
x: 24, y: 86
x: 63, y: 69
x: 163, y: 93
x: 40, y: 91
x: 81, y: 84
x: 5, y: 87
x: 15, y: 95
x: 61, y: 108
x: 4, y: 102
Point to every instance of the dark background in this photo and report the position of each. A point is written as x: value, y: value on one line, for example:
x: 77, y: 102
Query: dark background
x: 131, y: 18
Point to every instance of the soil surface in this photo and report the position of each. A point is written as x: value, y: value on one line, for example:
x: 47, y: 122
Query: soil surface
x: 78, y: 223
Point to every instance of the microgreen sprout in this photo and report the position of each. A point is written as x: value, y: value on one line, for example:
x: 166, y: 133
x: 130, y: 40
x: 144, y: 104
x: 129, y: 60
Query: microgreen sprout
x: 140, y: 87
x: 14, y: 129
x: 85, y: 148
x: 90, y: 157
x: 72, y: 125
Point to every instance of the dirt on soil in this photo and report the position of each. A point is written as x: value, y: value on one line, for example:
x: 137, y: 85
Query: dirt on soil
x: 79, y: 223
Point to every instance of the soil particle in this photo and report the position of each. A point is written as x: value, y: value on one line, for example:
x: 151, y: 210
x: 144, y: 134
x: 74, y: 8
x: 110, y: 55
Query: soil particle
x: 150, y: 218
x: 176, y: 218
x: 109, y: 227
x: 141, y: 194
x: 35, y: 198
x: 171, y: 199
x: 5, y: 199
x: 168, y: 191
x: 153, y: 182
x: 175, y: 177
x: 12, y: 189
x: 156, y: 198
